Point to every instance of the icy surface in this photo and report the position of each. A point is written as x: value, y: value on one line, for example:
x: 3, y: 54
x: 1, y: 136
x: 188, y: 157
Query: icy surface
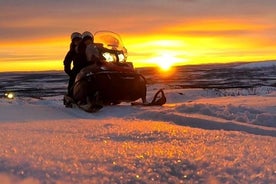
x: 210, y: 135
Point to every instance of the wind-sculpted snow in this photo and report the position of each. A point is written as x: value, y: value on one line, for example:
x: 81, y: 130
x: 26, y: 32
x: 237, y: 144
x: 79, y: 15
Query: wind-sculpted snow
x: 201, y: 135
x: 231, y: 112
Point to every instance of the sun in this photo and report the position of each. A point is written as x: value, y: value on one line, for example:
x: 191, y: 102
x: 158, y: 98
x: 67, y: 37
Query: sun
x: 165, y: 61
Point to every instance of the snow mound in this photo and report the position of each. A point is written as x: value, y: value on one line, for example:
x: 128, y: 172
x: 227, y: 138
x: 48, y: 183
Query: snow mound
x: 264, y: 64
x: 238, y: 113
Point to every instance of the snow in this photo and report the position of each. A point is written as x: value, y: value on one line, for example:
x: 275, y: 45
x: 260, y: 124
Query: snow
x: 218, y: 126
x: 198, y: 136
x: 264, y: 64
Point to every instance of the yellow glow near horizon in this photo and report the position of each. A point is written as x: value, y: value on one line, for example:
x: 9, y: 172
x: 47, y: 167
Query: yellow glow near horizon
x: 156, y: 50
x: 165, y: 60
x: 35, y: 65
x: 33, y: 55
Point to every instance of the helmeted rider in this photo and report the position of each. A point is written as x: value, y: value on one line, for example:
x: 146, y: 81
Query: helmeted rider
x: 72, y: 56
x: 88, y: 49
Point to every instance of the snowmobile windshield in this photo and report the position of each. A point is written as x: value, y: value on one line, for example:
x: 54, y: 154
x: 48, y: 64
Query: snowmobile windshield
x: 114, y: 49
x: 110, y: 40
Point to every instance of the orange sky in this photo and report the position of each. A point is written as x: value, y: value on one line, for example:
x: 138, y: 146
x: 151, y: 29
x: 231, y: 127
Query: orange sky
x: 35, y: 35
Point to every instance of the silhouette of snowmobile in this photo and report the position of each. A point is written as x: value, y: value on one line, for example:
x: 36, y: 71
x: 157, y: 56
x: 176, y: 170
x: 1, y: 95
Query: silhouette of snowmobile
x: 112, y: 81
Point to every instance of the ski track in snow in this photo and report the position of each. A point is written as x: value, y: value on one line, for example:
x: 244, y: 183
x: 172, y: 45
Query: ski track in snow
x: 198, y: 136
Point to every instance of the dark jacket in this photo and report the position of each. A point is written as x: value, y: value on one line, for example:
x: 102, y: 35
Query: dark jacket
x: 78, y: 60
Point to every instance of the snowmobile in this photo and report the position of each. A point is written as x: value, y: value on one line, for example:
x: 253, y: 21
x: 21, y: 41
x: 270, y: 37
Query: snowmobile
x: 112, y: 80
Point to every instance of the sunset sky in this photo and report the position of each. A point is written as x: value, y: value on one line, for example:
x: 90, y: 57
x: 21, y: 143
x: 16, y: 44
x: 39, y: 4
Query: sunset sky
x: 35, y: 34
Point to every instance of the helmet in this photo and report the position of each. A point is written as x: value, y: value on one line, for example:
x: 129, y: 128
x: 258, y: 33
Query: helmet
x: 87, y: 34
x: 75, y: 35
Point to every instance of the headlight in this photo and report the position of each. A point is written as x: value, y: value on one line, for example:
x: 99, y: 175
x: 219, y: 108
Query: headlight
x: 121, y: 57
x: 109, y: 57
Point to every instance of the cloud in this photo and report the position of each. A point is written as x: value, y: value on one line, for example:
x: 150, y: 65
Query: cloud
x: 126, y: 15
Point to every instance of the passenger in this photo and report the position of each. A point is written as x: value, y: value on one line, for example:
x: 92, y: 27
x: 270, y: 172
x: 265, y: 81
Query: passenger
x: 89, y: 49
x: 70, y: 57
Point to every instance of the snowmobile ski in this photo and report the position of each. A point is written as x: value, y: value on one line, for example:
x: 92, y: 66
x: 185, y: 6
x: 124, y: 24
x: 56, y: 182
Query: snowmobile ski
x: 159, y: 99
